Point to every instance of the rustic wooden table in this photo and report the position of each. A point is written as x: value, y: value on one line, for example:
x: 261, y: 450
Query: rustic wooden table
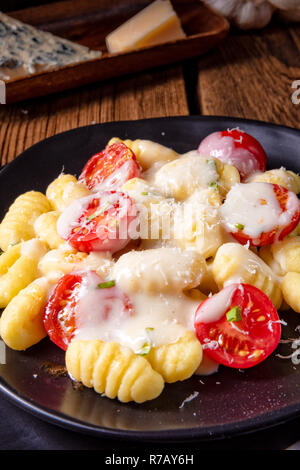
x: 249, y: 75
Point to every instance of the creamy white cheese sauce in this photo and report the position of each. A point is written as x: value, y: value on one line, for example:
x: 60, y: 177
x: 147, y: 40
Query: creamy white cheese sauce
x: 68, y: 220
x: 154, y: 319
x: 116, y: 179
x: 254, y: 207
x: 213, y: 309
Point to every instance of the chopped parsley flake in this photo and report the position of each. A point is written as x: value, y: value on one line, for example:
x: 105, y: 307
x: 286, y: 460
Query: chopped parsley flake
x: 240, y: 226
x: 146, y: 348
x: 214, y: 185
x: 98, y: 212
x: 105, y: 285
x: 144, y: 193
x: 235, y: 314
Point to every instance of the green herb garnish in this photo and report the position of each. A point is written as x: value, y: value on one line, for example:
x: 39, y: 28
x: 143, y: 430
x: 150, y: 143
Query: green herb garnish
x: 144, y: 193
x: 235, y: 314
x: 98, y: 212
x: 214, y: 185
x: 146, y: 348
x: 105, y: 285
x: 240, y: 226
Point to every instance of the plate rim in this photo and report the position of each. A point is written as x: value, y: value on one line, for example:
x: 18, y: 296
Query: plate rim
x: 222, y: 431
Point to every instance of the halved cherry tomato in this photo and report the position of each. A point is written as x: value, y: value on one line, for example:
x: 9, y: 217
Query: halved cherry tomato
x: 111, y: 168
x: 100, y: 222
x: 239, y: 327
x: 237, y: 148
x: 260, y: 213
x: 82, y: 299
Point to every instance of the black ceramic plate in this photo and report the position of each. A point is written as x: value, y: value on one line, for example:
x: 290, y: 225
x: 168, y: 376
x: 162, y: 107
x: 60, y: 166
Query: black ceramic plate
x: 228, y: 403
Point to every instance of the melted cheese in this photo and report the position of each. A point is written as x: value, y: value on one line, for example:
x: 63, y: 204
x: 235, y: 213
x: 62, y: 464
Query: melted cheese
x: 181, y: 177
x: 161, y: 270
x: 156, y: 319
x: 213, y: 309
x: 223, y: 147
x: 116, y: 179
x: 255, y: 207
x: 70, y: 217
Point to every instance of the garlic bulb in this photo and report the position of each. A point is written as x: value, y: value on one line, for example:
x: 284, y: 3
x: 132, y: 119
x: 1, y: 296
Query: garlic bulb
x: 290, y: 15
x: 285, y: 4
x: 246, y: 14
x: 289, y: 10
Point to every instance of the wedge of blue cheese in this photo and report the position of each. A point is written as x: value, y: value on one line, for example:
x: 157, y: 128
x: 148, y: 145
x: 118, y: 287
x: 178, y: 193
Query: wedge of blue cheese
x: 25, y: 50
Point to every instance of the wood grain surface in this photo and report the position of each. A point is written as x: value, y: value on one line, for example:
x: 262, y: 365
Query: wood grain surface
x: 249, y: 75
x: 89, y: 23
x: 155, y: 94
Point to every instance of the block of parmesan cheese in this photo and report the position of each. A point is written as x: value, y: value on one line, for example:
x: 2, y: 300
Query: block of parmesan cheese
x: 155, y: 24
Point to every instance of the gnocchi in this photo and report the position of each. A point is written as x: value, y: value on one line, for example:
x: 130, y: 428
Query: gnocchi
x: 18, y: 223
x: 113, y: 371
x: 132, y: 309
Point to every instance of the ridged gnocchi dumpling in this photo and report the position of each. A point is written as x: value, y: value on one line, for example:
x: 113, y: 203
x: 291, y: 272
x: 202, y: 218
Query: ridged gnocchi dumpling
x: 64, y: 190
x: 208, y: 284
x: 113, y: 370
x: 265, y: 253
x: 18, y: 223
x: 201, y: 228
x: 21, y: 323
x: 155, y: 212
x: 19, y: 267
x: 287, y: 179
x: 182, y: 177
x: 65, y: 259
x: 9, y: 257
x: 61, y: 261
x: 159, y: 270
x: 45, y: 229
x: 177, y: 361
x: 235, y: 263
x: 287, y: 254
x: 291, y: 290
x: 148, y: 152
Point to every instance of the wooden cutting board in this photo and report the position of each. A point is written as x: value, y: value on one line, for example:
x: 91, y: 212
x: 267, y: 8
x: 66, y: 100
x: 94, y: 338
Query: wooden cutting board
x: 88, y: 22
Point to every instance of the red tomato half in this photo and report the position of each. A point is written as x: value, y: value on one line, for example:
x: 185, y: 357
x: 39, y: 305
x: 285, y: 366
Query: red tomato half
x: 260, y: 213
x: 243, y: 343
x: 100, y: 222
x: 78, y: 301
x: 111, y: 168
x: 237, y: 148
